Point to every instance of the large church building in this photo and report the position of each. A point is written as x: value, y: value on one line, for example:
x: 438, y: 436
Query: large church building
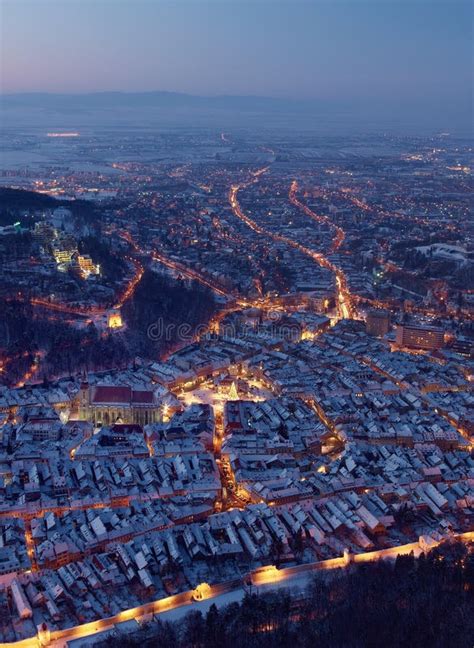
x: 109, y: 404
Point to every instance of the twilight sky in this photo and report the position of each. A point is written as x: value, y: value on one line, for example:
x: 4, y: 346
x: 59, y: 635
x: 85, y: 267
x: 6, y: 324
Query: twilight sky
x: 350, y: 50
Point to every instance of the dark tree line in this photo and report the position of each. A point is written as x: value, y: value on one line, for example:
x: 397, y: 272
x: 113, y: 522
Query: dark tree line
x: 14, y: 201
x: 408, y: 603
x: 112, y: 267
x: 15, y: 246
x: 161, y: 304
x: 65, y: 349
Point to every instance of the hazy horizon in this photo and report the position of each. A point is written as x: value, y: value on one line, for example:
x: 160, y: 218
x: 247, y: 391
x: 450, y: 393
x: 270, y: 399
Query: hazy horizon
x: 410, y: 58
x: 174, y: 46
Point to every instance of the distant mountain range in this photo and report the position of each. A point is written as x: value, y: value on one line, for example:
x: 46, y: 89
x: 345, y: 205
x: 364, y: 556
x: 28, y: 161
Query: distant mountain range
x: 156, y: 99
x: 409, y: 114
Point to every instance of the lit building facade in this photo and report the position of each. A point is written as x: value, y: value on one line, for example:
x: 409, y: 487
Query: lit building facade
x: 106, y: 405
x: 420, y: 337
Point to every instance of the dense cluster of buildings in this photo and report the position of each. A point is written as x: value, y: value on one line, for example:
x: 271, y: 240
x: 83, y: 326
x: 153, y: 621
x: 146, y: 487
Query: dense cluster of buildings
x: 256, y: 450
x: 326, y: 409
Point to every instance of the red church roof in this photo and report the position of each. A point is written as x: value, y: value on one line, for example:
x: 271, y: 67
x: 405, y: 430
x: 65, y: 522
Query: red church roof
x: 106, y: 394
x: 125, y: 395
x: 142, y: 397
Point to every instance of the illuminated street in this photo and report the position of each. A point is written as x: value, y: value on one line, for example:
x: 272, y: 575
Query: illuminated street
x: 236, y: 324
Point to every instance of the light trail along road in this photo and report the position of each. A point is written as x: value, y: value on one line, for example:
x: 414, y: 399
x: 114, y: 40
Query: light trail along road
x: 345, y: 308
x: 319, y: 218
x: 261, y: 579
